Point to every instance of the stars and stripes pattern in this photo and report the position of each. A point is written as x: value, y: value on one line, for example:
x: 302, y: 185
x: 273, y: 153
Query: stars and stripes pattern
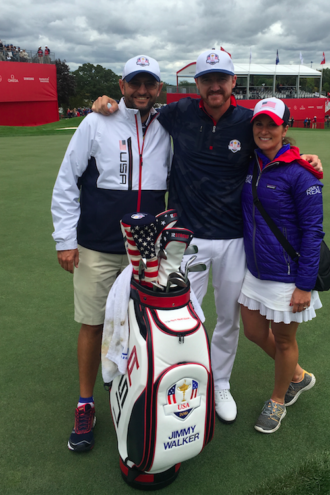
x: 144, y: 240
x: 133, y: 253
x: 269, y: 104
x: 194, y: 389
x: 165, y: 219
x: 176, y: 234
x: 144, y: 237
x: 122, y: 145
x: 171, y: 395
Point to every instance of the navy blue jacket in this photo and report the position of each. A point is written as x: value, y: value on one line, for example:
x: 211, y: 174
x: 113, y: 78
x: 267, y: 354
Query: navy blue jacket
x: 292, y: 196
x: 209, y: 166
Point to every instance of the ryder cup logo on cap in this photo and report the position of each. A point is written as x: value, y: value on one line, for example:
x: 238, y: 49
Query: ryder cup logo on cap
x: 274, y: 108
x: 142, y: 61
x: 214, y: 61
x: 140, y: 65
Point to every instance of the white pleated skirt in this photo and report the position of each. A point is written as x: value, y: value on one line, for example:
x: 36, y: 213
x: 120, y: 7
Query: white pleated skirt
x: 272, y: 300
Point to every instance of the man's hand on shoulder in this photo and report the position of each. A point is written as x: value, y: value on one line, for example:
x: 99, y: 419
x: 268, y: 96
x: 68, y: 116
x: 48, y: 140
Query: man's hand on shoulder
x: 68, y: 259
x: 314, y: 161
x: 105, y: 105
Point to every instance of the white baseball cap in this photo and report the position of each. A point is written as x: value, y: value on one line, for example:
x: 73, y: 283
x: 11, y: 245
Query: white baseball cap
x: 214, y: 61
x: 273, y: 107
x: 141, y: 64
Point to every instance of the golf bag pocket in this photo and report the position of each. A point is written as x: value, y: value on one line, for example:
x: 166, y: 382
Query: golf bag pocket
x: 179, y: 428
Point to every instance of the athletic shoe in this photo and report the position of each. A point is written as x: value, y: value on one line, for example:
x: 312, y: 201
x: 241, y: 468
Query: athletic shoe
x: 270, y: 417
x: 295, y: 389
x: 225, y: 406
x: 82, y: 437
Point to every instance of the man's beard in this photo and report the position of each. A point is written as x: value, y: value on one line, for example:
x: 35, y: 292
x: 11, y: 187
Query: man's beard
x: 144, y: 111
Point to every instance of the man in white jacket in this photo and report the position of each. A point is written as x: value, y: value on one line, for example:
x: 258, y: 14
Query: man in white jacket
x: 111, y: 167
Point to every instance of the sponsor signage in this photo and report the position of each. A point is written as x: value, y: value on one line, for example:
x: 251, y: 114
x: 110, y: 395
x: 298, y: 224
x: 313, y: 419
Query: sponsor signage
x: 27, y: 82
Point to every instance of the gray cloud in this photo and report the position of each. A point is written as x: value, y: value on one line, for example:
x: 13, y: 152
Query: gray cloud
x: 175, y: 32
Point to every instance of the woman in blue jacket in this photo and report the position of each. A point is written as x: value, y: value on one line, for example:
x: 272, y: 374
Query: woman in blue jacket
x: 277, y: 289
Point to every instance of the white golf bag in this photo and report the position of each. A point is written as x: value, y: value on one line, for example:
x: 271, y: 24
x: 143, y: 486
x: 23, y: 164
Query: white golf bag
x: 163, y: 406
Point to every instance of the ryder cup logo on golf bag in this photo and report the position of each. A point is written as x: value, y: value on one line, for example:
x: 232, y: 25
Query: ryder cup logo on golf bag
x: 163, y: 405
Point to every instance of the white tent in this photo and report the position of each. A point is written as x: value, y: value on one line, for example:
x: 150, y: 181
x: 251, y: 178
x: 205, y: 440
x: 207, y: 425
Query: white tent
x: 247, y: 70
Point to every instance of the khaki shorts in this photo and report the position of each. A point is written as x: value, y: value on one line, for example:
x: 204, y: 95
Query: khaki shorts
x: 92, y: 281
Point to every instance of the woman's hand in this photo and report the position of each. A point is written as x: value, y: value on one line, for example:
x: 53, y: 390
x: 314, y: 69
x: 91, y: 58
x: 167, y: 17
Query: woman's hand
x: 300, y: 300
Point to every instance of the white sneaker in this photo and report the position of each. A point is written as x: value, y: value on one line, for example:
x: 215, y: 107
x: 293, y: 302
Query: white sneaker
x: 225, y: 406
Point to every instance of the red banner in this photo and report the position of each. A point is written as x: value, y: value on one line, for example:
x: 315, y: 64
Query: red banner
x: 27, y: 82
x: 28, y: 94
x: 300, y: 108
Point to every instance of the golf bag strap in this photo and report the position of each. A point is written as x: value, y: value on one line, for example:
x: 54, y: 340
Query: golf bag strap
x: 294, y: 255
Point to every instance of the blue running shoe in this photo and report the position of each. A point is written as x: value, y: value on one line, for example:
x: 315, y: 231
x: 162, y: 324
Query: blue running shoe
x: 82, y: 437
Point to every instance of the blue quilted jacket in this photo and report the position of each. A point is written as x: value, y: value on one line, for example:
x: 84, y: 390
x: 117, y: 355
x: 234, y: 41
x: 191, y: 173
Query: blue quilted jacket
x: 291, y: 193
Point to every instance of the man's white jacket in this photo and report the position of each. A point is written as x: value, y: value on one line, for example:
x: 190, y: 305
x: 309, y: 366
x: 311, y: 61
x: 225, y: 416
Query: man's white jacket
x: 108, y: 168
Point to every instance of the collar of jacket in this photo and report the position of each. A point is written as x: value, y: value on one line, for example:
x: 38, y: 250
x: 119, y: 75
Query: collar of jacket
x: 232, y: 105
x: 289, y: 154
x: 131, y: 112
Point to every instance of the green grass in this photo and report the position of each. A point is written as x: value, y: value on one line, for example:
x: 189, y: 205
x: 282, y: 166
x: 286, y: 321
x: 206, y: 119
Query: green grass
x: 42, y: 130
x: 39, y: 378
x: 312, y: 477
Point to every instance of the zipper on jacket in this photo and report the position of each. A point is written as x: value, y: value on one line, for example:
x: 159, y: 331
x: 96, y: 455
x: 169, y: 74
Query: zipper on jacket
x: 213, y: 129
x: 254, y: 209
x: 141, y: 157
x: 254, y: 223
x: 212, y: 136
x: 285, y: 254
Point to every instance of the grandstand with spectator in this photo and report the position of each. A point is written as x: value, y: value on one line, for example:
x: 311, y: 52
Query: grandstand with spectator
x: 300, y: 86
x: 11, y: 53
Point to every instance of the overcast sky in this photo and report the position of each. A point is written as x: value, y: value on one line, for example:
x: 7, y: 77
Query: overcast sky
x: 172, y: 31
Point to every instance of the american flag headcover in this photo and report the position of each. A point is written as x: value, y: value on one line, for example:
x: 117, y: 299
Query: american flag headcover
x: 164, y: 220
x: 140, y: 232
x: 174, y: 241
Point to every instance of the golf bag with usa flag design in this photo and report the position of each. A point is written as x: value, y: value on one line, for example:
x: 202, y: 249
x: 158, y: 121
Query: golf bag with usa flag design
x: 163, y: 406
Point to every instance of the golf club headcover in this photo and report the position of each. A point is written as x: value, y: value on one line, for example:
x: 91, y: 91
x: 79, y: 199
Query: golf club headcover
x: 164, y: 220
x: 140, y: 232
x: 174, y: 241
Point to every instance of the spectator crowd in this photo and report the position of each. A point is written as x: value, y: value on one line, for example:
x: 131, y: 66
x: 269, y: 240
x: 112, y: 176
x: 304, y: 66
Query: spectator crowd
x: 78, y: 112
x: 11, y: 53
